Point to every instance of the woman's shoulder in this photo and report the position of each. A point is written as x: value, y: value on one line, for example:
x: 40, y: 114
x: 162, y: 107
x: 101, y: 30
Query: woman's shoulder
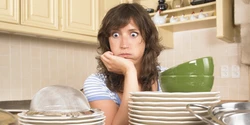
x: 95, y: 77
x: 161, y: 68
x: 94, y: 80
x: 95, y: 88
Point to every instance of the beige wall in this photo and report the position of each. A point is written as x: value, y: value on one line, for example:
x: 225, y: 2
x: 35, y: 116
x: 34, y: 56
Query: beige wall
x: 27, y: 64
x: 193, y: 44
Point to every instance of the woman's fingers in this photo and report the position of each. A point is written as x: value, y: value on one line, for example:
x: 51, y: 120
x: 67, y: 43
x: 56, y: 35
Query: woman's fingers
x: 107, y: 58
x: 111, y: 62
x: 116, y: 64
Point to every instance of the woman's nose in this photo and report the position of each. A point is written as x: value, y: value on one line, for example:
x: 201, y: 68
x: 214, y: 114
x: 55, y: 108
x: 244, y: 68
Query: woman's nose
x: 124, y: 43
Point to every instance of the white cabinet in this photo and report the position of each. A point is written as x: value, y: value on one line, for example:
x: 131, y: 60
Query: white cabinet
x: 105, y: 5
x: 9, y: 11
x: 84, y: 20
x: 40, y: 13
x: 71, y: 20
x: 79, y: 19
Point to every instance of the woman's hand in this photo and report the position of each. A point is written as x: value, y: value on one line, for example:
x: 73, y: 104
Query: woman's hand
x: 116, y: 64
x: 119, y: 115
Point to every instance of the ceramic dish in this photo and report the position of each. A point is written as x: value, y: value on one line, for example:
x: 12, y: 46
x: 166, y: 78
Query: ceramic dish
x: 164, y: 118
x: 167, y: 113
x: 162, y: 108
x: 200, y: 66
x: 92, y: 123
x: 135, y: 123
x: 158, y: 122
x: 63, y: 121
x: 187, y: 83
x: 173, y: 104
x: 97, y: 114
x: 175, y: 94
x: 161, y: 99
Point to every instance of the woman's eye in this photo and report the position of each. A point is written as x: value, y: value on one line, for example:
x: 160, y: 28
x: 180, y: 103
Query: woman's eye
x: 115, y: 34
x: 134, y: 34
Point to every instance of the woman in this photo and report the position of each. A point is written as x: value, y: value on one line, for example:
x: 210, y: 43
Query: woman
x: 129, y: 47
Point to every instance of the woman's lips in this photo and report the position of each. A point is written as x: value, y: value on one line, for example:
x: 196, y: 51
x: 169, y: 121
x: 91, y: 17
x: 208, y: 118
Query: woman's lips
x: 124, y: 55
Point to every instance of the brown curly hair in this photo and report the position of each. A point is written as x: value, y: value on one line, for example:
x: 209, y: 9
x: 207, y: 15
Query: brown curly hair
x: 118, y: 17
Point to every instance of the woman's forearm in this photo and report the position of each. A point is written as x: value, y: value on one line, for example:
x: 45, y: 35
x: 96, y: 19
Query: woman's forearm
x: 130, y: 85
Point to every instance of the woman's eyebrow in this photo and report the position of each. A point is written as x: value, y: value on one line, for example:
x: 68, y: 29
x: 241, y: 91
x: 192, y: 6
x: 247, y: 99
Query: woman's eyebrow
x: 114, y: 30
x: 134, y: 30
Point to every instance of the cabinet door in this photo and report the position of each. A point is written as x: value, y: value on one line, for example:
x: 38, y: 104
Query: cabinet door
x: 9, y: 11
x: 40, y: 13
x: 105, y: 5
x: 224, y: 20
x: 80, y: 16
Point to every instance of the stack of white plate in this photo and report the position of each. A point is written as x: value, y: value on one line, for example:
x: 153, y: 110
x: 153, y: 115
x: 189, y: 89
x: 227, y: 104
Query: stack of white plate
x: 163, y: 108
x: 96, y: 118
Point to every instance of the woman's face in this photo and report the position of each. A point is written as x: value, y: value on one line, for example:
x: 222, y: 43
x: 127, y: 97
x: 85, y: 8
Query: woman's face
x: 128, y: 43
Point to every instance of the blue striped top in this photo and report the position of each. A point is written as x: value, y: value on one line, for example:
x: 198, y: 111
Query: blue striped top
x: 95, y: 88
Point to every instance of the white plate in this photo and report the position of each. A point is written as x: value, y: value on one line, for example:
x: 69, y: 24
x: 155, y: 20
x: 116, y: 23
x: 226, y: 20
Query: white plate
x: 167, y: 113
x: 174, y: 94
x: 166, y: 99
x: 84, y: 121
x: 164, y: 118
x: 96, y: 114
x: 93, y: 123
x: 135, y: 123
x: 158, y: 122
x: 176, y: 104
x: 159, y: 108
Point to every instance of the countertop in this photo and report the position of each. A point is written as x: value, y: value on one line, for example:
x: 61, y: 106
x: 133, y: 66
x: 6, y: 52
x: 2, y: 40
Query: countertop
x: 15, y: 106
x: 224, y: 101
